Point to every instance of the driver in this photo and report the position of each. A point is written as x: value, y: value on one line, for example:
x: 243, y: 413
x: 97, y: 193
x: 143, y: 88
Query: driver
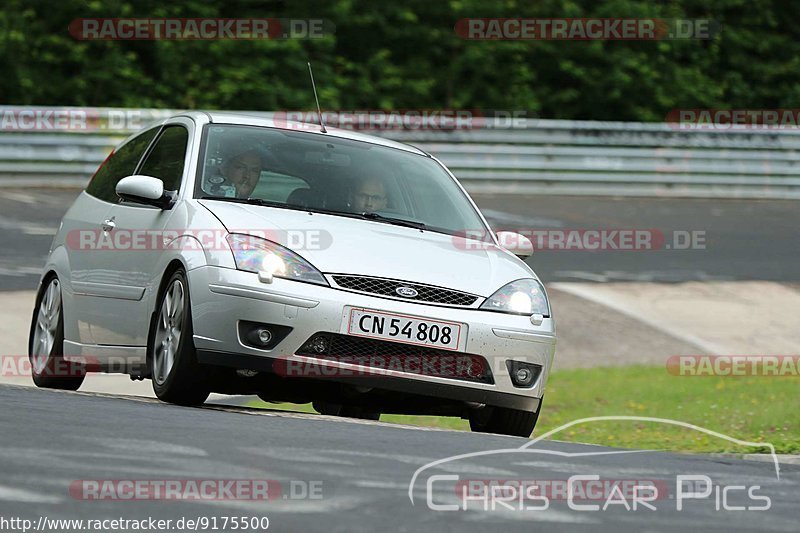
x: 238, y: 175
x: 368, y: 196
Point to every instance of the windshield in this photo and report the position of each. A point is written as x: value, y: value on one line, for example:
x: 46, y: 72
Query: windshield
x: 298, y: 170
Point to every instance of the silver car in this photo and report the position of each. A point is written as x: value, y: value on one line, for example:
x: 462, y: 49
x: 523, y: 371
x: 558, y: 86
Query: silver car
x: 219, y: 252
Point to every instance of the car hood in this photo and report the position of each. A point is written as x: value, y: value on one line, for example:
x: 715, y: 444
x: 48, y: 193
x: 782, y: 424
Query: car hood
x: 343, y: 245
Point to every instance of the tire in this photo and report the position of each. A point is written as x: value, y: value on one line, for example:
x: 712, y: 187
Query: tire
x: 49, y: 369
x: 177, y: 376
x: 504, y: 421
x: 348, y: 411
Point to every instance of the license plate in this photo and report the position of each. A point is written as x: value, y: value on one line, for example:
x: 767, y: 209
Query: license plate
x: 406, y: 329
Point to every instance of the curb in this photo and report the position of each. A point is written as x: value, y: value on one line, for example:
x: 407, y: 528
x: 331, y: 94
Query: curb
x: 785, y: 459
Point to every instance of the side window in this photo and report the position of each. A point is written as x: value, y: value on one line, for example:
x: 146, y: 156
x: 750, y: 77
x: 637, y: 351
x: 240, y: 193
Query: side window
x: 165, y: 160
x: 119, y: 164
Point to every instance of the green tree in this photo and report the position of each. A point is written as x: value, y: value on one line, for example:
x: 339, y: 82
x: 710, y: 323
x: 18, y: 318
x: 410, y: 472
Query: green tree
x: 406, y: 54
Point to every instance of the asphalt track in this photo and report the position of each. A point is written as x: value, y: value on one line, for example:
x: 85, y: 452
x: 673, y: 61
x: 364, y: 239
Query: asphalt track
x: 743, y: 239
x: 360, y: 471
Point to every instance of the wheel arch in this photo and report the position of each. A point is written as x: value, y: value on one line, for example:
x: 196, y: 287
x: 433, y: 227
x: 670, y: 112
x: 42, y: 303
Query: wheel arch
x: 171, y: 267
x: 174, y: 265
x: 47, y: 275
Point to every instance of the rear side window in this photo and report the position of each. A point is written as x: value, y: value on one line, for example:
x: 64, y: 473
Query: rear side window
x: 165, y: 161
x: 118, y: 165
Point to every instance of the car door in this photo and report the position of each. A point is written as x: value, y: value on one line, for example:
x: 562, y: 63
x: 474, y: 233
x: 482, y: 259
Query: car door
x: 86, y: 226
x: 133, y: 266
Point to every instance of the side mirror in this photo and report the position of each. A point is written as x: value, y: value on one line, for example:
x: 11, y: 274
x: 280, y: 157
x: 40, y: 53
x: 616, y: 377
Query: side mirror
x: 145, y: 190
x: 517, y: 244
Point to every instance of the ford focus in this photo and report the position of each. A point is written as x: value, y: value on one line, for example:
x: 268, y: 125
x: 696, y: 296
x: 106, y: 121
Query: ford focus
x: 227, y: 253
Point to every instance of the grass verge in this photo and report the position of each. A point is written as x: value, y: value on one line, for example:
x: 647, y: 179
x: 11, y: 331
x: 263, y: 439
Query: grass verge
x: 756, y: 409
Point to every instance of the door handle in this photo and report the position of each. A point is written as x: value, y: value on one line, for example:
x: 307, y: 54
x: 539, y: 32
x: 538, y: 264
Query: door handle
x: 109, y: 224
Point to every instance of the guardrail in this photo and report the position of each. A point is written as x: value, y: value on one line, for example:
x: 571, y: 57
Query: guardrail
x: 535, y: 156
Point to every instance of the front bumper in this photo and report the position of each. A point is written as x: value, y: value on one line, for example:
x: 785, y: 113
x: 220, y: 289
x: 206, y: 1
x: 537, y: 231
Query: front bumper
x: 222, y: 297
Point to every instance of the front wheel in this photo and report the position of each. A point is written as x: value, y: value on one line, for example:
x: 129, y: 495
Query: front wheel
x: 49, y: 369
x: 504, y: 421
x: 177, y: 376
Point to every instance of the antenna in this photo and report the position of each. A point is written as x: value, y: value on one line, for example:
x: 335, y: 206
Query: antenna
x: 314, y: 88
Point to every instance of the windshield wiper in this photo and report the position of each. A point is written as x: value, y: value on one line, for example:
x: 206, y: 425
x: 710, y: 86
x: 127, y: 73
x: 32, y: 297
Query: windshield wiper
x: 251, y: 201
x: 391, y: 220
x: 270, y: 203
x: 368, y: 216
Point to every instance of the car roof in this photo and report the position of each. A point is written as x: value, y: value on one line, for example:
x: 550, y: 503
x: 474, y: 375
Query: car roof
x: 269, y: 120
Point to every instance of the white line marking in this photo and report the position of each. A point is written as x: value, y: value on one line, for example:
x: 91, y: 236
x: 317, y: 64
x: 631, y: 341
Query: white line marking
x: 660, y: 421
x: 11, y: 494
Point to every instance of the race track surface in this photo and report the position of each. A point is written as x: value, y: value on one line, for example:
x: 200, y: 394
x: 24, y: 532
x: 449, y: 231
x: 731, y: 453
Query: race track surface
x: 360, y: 471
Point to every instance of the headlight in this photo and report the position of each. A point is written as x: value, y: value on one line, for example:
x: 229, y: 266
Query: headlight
x: 254, y: 254
x: 521, y: 297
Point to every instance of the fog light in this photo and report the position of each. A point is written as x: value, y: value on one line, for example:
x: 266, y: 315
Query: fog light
x: 264, y: 335
x: 522, y: 374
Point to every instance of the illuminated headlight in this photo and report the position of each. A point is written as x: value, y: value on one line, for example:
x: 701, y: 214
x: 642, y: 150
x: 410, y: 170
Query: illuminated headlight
x: 254, y: 254
x: 521, y: 297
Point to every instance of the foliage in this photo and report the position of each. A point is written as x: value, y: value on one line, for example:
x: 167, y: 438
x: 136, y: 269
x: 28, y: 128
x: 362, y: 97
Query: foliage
x: 406, y: 55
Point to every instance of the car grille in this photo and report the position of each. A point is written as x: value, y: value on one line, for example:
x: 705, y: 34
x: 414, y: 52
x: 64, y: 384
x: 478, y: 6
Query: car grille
x: 388, y: 287
x: 386, y: 355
